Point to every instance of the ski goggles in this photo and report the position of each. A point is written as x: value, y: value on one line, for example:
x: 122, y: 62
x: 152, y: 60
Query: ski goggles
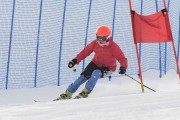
x: 101, y: 39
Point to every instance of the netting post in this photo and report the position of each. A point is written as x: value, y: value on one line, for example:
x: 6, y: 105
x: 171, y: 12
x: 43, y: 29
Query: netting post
x: 165, y: 62
x: 165, y: 59
x: 37, y: 47
x: 140, y: 46
x: 179, y: 38
x: 10, y: 43
x: 114, y: 16
x: 87, y: 28
x: 137, y: 54
x: 160, y: 66
x: 61, y: 39
x: 168, y: 4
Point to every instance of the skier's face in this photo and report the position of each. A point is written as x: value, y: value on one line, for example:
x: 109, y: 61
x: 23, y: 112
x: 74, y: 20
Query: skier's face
x: 102, y: 40
x: 103, y: 44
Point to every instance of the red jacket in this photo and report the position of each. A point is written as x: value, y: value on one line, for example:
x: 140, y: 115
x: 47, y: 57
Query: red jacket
x: 104, y: 56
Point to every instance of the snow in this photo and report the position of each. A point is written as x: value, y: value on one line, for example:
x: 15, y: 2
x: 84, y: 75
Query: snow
x: 118, y: 99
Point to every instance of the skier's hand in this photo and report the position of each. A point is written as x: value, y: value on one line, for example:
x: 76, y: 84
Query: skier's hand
x: 72, y: 63
x: 122, y: 70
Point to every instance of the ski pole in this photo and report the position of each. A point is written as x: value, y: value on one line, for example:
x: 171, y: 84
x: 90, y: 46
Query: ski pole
x: 74, y: 69
x: 139, y: 82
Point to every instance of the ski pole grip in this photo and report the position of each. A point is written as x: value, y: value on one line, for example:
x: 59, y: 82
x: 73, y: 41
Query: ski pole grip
x: 72, y: 63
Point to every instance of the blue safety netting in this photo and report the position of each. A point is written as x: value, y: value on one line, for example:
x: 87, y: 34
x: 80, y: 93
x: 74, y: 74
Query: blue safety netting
x: 39, y: 37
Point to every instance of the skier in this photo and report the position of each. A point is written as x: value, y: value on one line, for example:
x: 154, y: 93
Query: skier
x: 102, y: 65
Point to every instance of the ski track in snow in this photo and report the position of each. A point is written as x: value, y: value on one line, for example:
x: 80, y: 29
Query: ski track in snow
x: 119, y: 99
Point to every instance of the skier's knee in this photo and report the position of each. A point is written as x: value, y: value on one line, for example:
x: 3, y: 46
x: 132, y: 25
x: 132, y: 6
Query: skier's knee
x: 96, y: 73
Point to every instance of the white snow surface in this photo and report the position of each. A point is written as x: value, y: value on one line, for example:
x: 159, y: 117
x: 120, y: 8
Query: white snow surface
x: 118, y: 99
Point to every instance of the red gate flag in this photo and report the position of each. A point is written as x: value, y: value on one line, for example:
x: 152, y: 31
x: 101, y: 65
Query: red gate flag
x: 152, y: 28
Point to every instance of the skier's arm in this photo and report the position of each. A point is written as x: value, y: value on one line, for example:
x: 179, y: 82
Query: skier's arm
x: 119, y: 55
x: 85, y: 52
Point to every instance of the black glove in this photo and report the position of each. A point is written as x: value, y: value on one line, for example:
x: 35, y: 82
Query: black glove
x: 122, y: 70
x: 72, y: 63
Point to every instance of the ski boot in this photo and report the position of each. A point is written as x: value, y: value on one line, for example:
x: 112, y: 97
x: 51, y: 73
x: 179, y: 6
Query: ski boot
x: 83, y: 94
x: 64, y: 96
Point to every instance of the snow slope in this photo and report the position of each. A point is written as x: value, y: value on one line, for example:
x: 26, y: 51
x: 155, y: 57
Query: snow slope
x: 119, y: 99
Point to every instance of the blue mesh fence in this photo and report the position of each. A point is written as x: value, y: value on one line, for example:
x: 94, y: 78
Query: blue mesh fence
x: 39, y: 37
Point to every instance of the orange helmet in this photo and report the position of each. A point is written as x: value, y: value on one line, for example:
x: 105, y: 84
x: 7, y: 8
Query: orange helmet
x: 103, y: 31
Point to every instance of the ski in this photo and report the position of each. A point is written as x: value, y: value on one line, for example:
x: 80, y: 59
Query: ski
x: 38, y: 101
x: 55, y: 100
x: 44, y: 101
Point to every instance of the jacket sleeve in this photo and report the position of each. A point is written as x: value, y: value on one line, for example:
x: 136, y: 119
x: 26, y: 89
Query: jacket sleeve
x: 119, y: 55
x: 85, y: 52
